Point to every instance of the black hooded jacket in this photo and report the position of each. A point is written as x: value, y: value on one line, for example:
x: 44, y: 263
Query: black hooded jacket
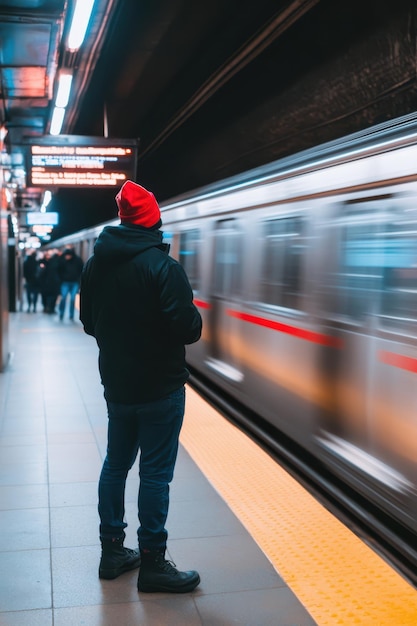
x: 70, y: 267
x: 138, y: 304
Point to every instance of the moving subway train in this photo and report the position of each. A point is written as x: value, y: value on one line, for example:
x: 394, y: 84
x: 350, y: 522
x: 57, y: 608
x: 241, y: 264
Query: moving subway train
x: 305, y: 272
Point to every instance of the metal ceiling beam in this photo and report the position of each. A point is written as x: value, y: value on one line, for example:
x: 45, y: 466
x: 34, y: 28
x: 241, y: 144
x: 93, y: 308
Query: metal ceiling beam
x: 245, y: 55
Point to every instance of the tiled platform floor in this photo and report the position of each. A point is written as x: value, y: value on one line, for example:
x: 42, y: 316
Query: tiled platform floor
x: 52, y: 442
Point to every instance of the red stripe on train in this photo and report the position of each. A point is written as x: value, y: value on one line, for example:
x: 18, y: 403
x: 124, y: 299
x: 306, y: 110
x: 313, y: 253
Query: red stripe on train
x: 202, y: 304
x: 301, y: 333
x: 397, y: 360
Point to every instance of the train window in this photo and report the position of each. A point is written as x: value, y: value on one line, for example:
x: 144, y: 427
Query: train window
x: 399, y: 295
x: 360, y: 269
x: 189, y: 256
x: 228, y: 259
x: 281, y: 263
x: 378, y: 273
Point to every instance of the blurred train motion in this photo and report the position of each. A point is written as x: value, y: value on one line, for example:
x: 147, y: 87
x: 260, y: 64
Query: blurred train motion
x: 305, y: 272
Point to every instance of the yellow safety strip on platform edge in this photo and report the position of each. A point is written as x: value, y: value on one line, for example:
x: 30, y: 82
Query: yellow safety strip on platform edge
x: 338, y: 578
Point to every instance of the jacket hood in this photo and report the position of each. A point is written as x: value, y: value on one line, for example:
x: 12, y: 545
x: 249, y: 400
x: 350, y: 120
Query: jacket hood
x: 119, y: 244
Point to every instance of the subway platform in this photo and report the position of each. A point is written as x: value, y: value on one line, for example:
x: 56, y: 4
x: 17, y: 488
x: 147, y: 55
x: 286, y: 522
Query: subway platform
x: 268, y: 554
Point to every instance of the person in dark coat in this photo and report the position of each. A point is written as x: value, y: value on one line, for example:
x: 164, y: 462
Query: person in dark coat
x: 49, y: 280
x: 69, y: 269
x: 137, y: 302
x: 31, y: 273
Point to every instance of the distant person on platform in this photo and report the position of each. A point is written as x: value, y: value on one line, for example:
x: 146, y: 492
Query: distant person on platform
x: 138, y: 304
x: 70, y: 268
x: 31, y: 274
x: 49, y: 280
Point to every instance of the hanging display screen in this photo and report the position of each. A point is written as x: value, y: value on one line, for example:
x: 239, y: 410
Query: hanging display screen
x: 37, y: 218
x: 78, y: 161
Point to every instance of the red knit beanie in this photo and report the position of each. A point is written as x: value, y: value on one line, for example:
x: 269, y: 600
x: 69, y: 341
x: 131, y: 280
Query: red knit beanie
x: 137, y: 205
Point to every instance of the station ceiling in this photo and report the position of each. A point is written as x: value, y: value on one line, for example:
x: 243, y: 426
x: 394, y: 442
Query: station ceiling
x: 210, y: 89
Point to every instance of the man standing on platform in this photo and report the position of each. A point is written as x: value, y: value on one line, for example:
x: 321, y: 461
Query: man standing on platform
x: 137, y: 302
x: 69, y: 269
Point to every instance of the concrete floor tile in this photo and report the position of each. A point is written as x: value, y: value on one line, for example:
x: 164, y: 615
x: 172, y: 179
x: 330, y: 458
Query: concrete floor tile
x: 25, y: 439
x: 156, y: 611
x: 27, y: 618
x: 73, y: 462
x: 23, y: 496
x: 185, y: 519
x: 15, y: 424
x: 24, y: 474
x: 74, y: 526
x: 24, y: 529
x: 76, y: 581
x: 25, y: 581
x: 225, y: 563
x: 16, y: 455
x: 73, y: 494
x: 279, y: 608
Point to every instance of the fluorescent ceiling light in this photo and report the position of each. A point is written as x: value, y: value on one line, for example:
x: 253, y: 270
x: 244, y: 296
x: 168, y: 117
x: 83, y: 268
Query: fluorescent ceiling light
x: 57, y: 121
x: 64, y: 88
x: 47, y: 197
x: 79, y: 23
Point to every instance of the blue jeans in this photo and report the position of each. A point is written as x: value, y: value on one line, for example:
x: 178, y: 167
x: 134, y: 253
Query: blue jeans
x: 153, y: 428
x: 32, y: 295
x: 72, y: 290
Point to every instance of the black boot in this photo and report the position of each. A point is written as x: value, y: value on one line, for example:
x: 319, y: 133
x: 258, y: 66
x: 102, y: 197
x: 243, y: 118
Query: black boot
x: 158, y: 574
x: 116, y: 559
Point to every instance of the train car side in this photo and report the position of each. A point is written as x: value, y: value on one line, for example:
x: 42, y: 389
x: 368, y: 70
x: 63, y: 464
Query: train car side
x: 309, y: 317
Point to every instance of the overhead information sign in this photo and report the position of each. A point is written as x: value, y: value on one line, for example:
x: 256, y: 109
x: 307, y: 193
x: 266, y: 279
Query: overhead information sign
x: 78, y: 161
x: 37, y: 218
